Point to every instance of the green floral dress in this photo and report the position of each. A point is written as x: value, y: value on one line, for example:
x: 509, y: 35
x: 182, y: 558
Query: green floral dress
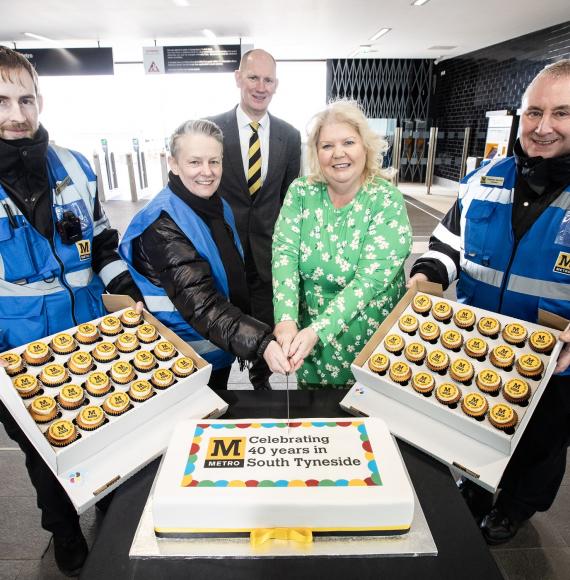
x: 341, y: 271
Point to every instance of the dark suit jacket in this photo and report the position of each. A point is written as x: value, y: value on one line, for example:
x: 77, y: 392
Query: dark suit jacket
x: 255, y: 218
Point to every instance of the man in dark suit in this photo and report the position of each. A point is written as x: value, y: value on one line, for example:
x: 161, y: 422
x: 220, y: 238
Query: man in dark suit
x: 262, y: 156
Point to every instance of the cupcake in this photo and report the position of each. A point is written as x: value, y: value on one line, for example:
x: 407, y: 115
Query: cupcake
x: 451, y: 339
x: 61, y: 433
x: 144, y: 361
x: 437, y: 361
x: 502, y: 356
x: 122, y: 372
x: 421, y: 304
x: 476, y: 348
x: 130, y: 318
x: 162, y: 378
x: 429, y: 331
x: 43, y: 409
x: 98, y: 384
x: 423, y: 383
x: 503, y: 416
x: 394, y: 343
x: 461, y: 370
x: 529, y: 365
x: 448, y: 394
x: 53, y: 375
x: 515, y: 333
x: 164, y: 350
x: 464, y: 318
x: 86, y: 333
x: 63, y: 343
x: 110, y: 326
x: 15, y: 363
x: 184, y: 367
x: 542, y: 341
x: 415, y: 352
x: 26, y: 385
x: 80, y: 363
x: 140, y: 390
x: 442, y: 311
x: 474, y: 405
x: 104, y: 352
x: 516, y: 391
x: 127, y: 342
x: 37, y: 353
x: 90, y: 418
x: 408, y: 323
x: 400, y: 372
x: 147, y: 333
x: 378, y: 363
x: 71, y: 397
x: 489, y: 326
x: 488, y: 381
x: 116, y: 404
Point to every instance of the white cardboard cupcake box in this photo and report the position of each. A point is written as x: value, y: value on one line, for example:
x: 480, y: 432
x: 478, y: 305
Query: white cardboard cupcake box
x: 100, y: 460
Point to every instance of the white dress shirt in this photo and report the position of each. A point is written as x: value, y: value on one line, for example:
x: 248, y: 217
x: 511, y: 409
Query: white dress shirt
x: 245, y: 132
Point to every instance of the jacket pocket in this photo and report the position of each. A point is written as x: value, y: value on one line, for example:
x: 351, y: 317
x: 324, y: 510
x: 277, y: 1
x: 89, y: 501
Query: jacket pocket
x: 478, y: 219
x: 15, y: 252
x: 22, y: 319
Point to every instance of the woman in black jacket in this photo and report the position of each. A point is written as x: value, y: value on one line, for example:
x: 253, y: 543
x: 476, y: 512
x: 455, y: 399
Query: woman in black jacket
x: 184, y: 254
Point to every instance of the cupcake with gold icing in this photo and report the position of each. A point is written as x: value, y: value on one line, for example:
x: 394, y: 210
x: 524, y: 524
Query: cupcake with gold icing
x: 461, y: 370
x: 61, y: 433
x: 71, y: 397
x: 430, y: 331
x: 529, y: 365
x: 452, y: 340
x: 502, y: 356
x: 415, y: 352
x: 423, y: 383
x: 448, y: 394
x: 122, y: 372
x: 378, y: 363
x: 394, y: 343
x: 104, y: 352
x: 90, y: 418
x: 80, y: 363
x: 437, y: 360
x: 110, y: 326
x: 542, y: 341
x: 474, y: 405
x: 130, y: 318
x: 63, y: 343
x: 87, y: 333
x: 488, y: 381
x: 400, y: 372
x: 408, y: 323
x: 489, y: 326
x: 98, y: 384
x: 464, y: 318
x: 140, y: 390
x: 503, y: 416
x: 183, y: 367
x: 144, y: 361
x: 116, y: 404
x: 476, y: 347
x: 164, y: 350
x: 15, y: 363
x: 37, y: 353
x: 162, y: 378
x: 26, y: 385
x: 516, y: 391
x: 421, y: 304
x: 127, y: 342
x: 442, y: 311
x: 515, y: 333
x: 147, y: 333
x: 53, y: 375
x: 43, y: 409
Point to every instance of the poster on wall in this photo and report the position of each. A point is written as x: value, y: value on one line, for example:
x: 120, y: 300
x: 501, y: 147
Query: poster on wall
x: 70, y: 61
x: 500, y: 134
x: 191, y: 59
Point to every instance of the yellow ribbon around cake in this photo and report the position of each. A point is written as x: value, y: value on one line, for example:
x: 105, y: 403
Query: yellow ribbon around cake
x: 262, y: 535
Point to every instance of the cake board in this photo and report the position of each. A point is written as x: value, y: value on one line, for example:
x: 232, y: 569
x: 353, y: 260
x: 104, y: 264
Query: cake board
x: 417, y: 542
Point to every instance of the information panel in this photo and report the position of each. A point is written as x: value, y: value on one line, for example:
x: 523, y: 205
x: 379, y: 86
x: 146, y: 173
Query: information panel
x: 191, y: 59
x: 70, y: 61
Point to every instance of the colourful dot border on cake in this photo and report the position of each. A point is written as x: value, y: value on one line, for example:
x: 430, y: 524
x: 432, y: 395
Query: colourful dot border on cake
x: 373, y: 479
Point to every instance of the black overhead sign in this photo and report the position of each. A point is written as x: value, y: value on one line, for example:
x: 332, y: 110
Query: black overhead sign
x: 70, y: 61
x: 192, y: 59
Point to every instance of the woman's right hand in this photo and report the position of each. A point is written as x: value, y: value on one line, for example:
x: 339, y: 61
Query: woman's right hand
x: 276, y: 359
x: 285, y: 332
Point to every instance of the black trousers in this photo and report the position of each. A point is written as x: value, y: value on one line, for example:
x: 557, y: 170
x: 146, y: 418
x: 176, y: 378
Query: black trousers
x: 261, y: 297
x: 58, y: 514
x: 533, y: 476
x: 219, y: 379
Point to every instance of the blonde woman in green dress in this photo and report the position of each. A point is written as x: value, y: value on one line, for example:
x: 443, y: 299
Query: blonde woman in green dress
x: 339, y: 249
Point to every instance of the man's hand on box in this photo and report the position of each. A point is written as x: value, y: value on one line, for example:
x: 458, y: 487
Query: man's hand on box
x: 564, y: 357
x: 419, y: 277
x: 139, y: 307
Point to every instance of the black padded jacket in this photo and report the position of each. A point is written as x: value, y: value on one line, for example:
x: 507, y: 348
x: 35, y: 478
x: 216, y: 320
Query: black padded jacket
x: 166, y: 257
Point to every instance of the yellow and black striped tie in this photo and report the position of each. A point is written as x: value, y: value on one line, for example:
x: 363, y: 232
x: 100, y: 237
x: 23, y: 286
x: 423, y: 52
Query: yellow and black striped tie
x: 254, y: 160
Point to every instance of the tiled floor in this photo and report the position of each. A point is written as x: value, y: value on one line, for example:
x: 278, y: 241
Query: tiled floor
x: 541, y: 550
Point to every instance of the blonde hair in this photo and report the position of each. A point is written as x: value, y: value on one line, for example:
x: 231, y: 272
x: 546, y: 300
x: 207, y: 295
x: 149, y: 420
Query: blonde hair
x: 554, y: 71
x: 349, y: 112
x: 195, y: 127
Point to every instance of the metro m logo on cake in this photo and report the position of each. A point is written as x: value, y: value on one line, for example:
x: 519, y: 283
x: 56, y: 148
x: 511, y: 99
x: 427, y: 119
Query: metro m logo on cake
x: 225, y: 452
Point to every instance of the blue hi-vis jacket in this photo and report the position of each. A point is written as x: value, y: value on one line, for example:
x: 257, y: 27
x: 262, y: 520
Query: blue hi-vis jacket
x: 199, y: 234
x: 496, y: 273
x: 45, y: 285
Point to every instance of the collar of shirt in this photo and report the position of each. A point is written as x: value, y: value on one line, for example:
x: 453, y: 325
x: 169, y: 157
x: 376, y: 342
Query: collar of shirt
x: 244, y: 129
